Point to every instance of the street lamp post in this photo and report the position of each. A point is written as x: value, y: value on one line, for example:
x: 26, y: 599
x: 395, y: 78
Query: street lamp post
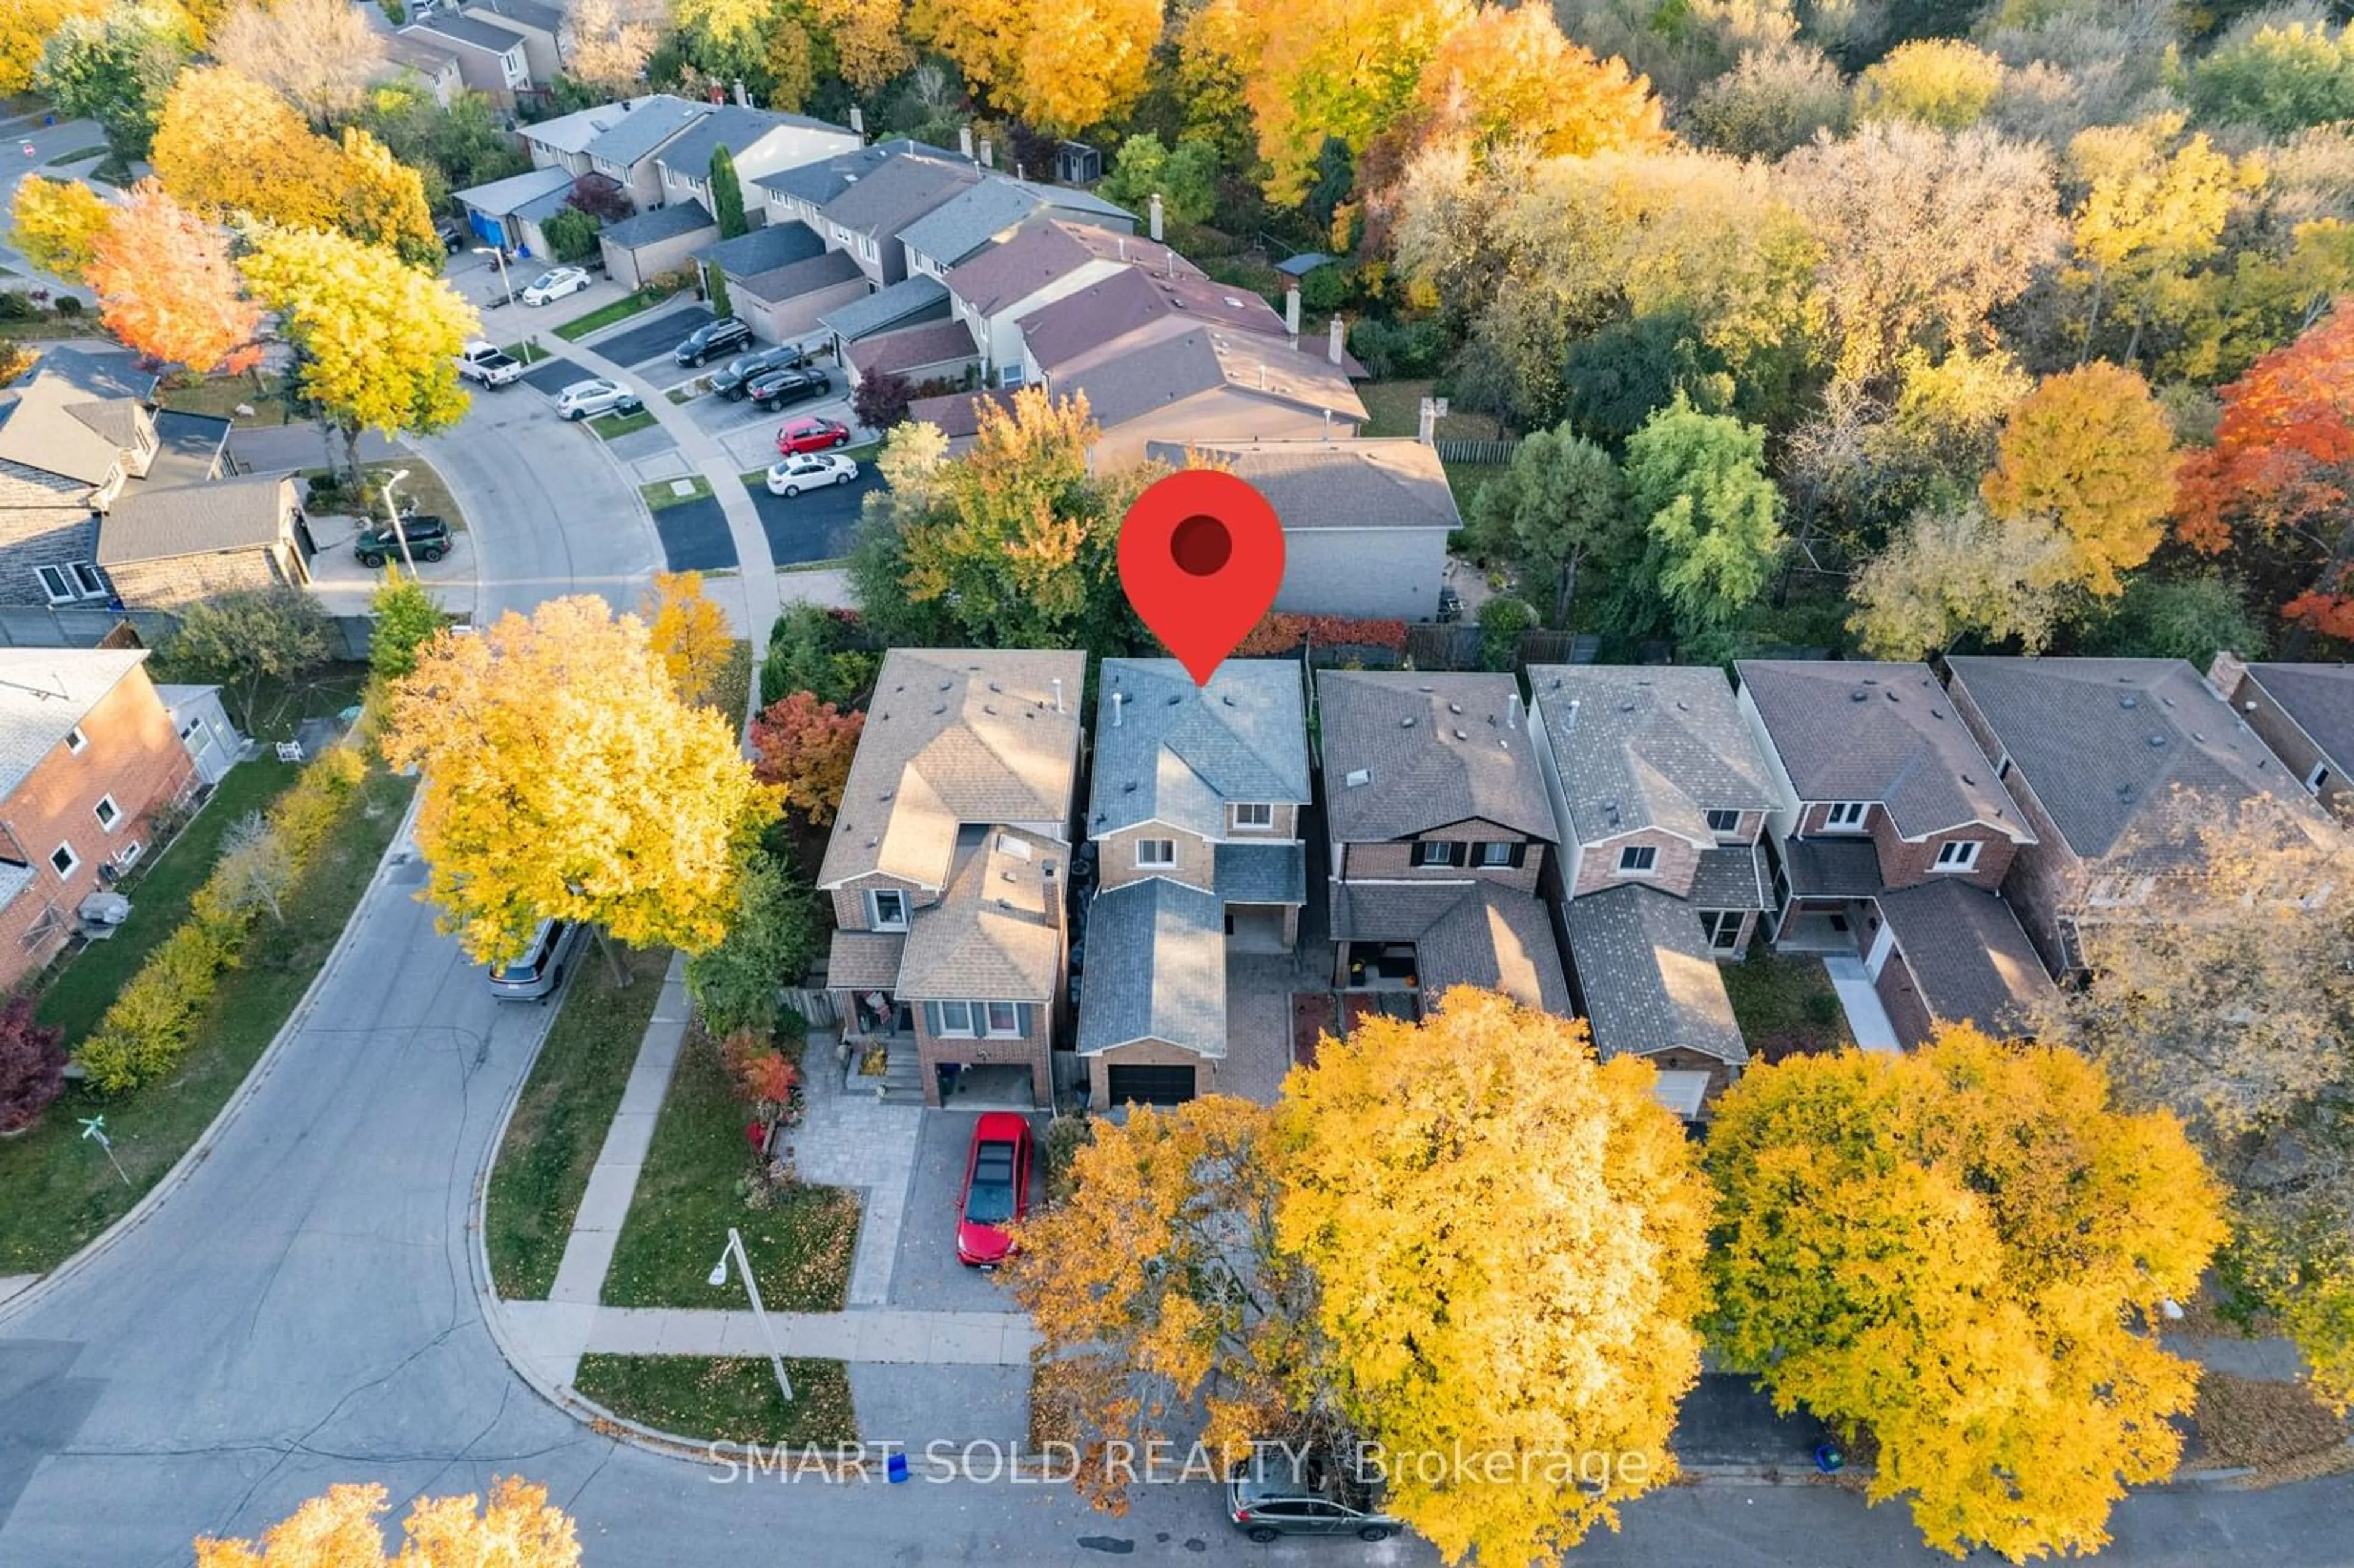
x: 498, y: 254
x: 399, y: 533
x: 719, y: 1277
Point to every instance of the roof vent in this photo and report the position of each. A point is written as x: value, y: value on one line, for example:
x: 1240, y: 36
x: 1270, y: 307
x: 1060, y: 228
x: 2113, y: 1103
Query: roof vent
x: 2157, y: 739
x: 1454, y: 707
x: 2129, y: 701
x: 1357, y: 776
x: 1890, y: 696
x: 1460, y: 736
x: 941, y: 708
x: 1174, y: 700
x: 887, y: 794
x: 1628, y: 706
x: 1406, y: 723
x: 996, y: 687
x: 2125, y: 791
x: 1129, y: 787
x: 1682, y: 707
x: 1859, y: 695
x: 1969, y: 781
x: 2202, y: 739
x: 988, y: 708
x: 946, y: 684
x: 1226, y: 698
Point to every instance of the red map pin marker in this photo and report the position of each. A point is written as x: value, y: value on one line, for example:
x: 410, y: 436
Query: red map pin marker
x: 1201, y: 555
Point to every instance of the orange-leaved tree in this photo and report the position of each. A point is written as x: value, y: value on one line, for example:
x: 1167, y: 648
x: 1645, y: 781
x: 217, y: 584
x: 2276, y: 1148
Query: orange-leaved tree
x: 804, y: 748
x: 2282, y: 470
x: 166, y: 286
x: 2091, y: 449
x: 518, y: 1528
x: 1964, y: 1252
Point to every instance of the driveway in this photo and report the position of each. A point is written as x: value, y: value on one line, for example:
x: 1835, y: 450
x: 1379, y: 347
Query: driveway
x: 926, y: 1274
x: 695, y: 536
x: 817, y: 525
x: 641, y: 339
x: 339, y: 582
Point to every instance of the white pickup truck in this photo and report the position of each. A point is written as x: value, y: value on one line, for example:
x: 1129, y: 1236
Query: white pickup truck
x: 491, y: 366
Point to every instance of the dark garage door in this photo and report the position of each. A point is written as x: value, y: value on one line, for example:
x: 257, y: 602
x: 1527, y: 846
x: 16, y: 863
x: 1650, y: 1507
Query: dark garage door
x: 1152, y: 1085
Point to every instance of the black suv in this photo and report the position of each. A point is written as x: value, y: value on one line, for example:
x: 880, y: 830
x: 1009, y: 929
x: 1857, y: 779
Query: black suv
x: 428, y: 537
x: 778, y: 387
x: 730, y: 380
x: 712, y: 339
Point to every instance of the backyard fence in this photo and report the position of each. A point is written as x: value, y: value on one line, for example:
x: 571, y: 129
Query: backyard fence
x: 1493, y: 453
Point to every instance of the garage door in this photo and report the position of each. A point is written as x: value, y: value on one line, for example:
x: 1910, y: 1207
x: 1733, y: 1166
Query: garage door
x: 1152, y: 1085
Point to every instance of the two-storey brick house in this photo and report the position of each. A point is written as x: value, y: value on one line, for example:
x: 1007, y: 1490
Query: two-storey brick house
x: 86, y: 752
x: 2115, y: 764
x: 1194, y: 813
x: 1890, y: 840
x: 950, y: 860
x: 1440, y: 832
x: 2304, y: 713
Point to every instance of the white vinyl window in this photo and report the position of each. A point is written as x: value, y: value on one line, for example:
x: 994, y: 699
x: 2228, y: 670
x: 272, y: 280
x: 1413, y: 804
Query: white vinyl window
x: 1638, y: 860
x: 1255, y: 814
x: 108, y: 812
x: 1495, y: 854
x: 128, y: 855
x: 77, y: 742
x: 2318, y: 778
x: 886, y: 909
x: 1000, y: 1018
x: 1438, y: 852
x: 72, y: 581
x: 1724, y: 822
x: 1846, y: 816
x: 1156, y: 851
x: 63, y: 860
x: 955, y: 1018
x: 1957, y: 854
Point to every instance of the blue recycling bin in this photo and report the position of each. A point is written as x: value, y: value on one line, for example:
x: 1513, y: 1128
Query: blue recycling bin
x: 894, y: 1468
x: 1828, y: 1459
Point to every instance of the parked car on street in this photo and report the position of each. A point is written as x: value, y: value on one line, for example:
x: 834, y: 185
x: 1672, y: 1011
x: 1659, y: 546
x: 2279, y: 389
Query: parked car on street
x: 535, y: 974
x: 428, y: 537
x: 584, y: 398
x: 553, y: 285
x: 810, y: 433
x: 774, y: 389
x: 1268, y: 1495
x: 731, y: 379
x: 711, y: 340
x: 810, y: 471
x: 490, y: 365
x: 996, y: 1188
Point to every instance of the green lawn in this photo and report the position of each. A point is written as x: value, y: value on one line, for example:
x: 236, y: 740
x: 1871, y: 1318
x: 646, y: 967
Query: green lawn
x: 56, y: 1190
x: 1395, y: 408
x: 608, y: 425
x: 731, y: 692
x: 222, y: 395
x: 621, y: 309
x: 560, y: 1120
x: 800, y: 1245
x: 280, y: 706
x: 661, y: 494
x: 424, y: 486
x: 1785, y: 1004
x: 1466, y: 478
x: 79, y: 156
x: 727, y: 1399
x: 82, y: 987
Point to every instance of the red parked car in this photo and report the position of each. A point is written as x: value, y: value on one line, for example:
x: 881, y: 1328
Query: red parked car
x: 810, y: 434
x: 996, y: 1189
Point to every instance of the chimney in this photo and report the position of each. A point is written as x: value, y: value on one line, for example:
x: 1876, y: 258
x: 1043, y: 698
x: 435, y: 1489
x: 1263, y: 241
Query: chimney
x: 1427, y: 428
x: 964, y: 140
x: 1573, y: 716
x: 741, y: 101
x: 1118, y: 699
x: 1050, y: 883
x: 2226, y: 673
x: 1172, y: 259
x: 1512, y: 712
x: 1340, y: 340
x: 857, y: 120
x: 1156, y: 215
x: 1058, y: 693
x: 1291, y: 313
x: 988, y: 154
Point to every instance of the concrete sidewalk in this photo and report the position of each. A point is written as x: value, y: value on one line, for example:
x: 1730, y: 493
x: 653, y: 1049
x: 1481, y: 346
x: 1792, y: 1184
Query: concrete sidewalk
x: 882, y: 1336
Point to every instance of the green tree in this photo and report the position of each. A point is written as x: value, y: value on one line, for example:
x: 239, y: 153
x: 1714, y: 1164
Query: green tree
x: 1697, y: 484
x: 239, y: 641
x: 1503, y: 621
x: 809, y: 652
x: 1953, y: 571
x: 771, y: 939
x: 727, y: 195
x: 1560, y: 505
x: 1186, y: 180
x: 116, y: 69
x: 2280, y: 79
x: 572, y: 234
x: 1939, y: 82
x: 2192, y: 616
x: 404, y: 618
x: 715, y: 283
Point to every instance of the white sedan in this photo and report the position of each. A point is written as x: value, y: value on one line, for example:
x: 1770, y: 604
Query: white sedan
x: 810, y: 471
x: 555, y: 284
x: 584, y: 398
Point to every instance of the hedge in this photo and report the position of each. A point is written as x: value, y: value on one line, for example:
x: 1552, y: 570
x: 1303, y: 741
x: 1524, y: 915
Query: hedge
x: 141, y: 1035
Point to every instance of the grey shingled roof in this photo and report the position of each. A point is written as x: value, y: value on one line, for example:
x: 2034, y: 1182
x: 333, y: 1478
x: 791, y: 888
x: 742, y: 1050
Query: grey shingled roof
x: 1831, y: 867
x: 2107, y: 744
x: 1045, y: 249
x: 736, y: 128
x: 1463, y: 934
x: 1061, y: 333
x: 539, y: 209
x: 44, y: 693
x: 819, y: 182
x: 501, y: 197
x: 1648, y: 979
x: 1649, y: 746
x: 574, y: 132
x: 996, y: 934
x: 106, y: 373
x: 764, y: 250
x: 2320, y: 698
x: 894, y: 193
x: 1173, y: 358
x: 1381, y: 482
x: 955, y: 737
x: 915, y: 299
x: 188, y: 448
x: 155, y: 524
x: 1156, y: 969
x: 1733, y: 877
x: 1859, y: 731
x: 1173, y: 752
x: 1429, y: 764
x: 1969, y: 957
x: 651, y: 122
x: 821, y: 271
x: 1261, y: 872
x: 957, y: 414
x: 464, y: 29
x: 662, y: 223
x: 530, y: 12
x: 955, y: 229
x: 50, y: 424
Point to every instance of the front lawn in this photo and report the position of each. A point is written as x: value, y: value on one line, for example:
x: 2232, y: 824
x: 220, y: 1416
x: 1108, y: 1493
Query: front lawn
x: 424, y: 486
x: 606, y: 315
x: 1785, y: 1004
x: 609, y: 426
x: 731, y: 1399
x: 799, y: 1241
x: 222, y: 395
x: 56, y: 1190
x: 561, y: 1118
x: 664, y: 492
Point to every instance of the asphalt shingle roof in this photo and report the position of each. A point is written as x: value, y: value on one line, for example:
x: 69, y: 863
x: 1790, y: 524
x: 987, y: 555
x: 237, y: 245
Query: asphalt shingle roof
x: 1061, y: 332
x: 1732, y: 877
x: 662, y: 223
x: 188, y: 448
x: 530, y: 12
x: 2107, y: 744
x: 996, y: 934
x: 108, y: 373
x: 1436, y: 749
x: 915, y: 299
x: 819, y: 182
x: 154, y: 525
x: 464, y: 29
x: 651, y: 122
x: 957, y: 414
x: 1044, y: 250
x: 1649, y: 746
x: 822, y: 272
x: 1646, y: 975
x: 1831, y: 867
x: 1463, y: 934
x: 861, y: 960
x: 44, y: 693
x: 1968, y: 955
x: 894, y: 193
x: 736, y: 128
x: 918, y: 347
x: 501, y: 197
x: 574, y: 132
x: 1381, y: 482
x: 1884, y: 732
x: 1169, y: 751
x: 1261, y: 872
x: 1156, y: 969
x: 764, y: 250
x: 955, y: 737
x: 953, y: 232
x: 2320, y: 698
x: 50, y: 424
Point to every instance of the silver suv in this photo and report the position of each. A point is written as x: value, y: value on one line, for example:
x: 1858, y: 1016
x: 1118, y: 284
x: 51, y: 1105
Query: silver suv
x: 1270, y: 1496
x: 533, y: 975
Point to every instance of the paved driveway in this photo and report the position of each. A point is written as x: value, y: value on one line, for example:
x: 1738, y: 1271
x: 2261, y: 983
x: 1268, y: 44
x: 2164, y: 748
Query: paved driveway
x: 928, y: 1274
x: 549, y: 376
x: 651, y: 339
x: 695, y: 536
x: 817, y: 525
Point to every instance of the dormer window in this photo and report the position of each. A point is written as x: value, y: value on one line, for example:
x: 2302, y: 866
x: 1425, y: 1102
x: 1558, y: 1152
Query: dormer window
x: 1438, y: 852
x: 886, y: 909
x: 1638, y: 860
x: 1957, y: 854
x: 1254, y: 816
x: 1724, y: 824
x: 1845, y: 816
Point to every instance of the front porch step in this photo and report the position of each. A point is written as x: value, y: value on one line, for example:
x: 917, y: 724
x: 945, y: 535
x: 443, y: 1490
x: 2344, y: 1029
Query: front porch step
x: 903, y: 1078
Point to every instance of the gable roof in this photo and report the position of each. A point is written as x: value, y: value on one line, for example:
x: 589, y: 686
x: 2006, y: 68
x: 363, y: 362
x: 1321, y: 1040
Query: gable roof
x: 1370, y: 483
x: 1062, y: 332
x: 1156, y: 969
x: 822, y: 179
x: 913, y: 299
x: 1047, y: 249
x: 648, y: 123
x: 955, y: 737
x: 736, y: 128
x: 501, y: 197
x: 911, y: 347
x: 662, y: 223
x: 995, y: 934
x: 188, y: 448
x: 1463, y: 934
x: 895, y: 192
x: 1649, y: 746
x: 1968, y: 955
x: 50, y: 424
x: 992, y: 208
x: 1435, y: 749
x: 45, y: 693
x: 1169, y: 751
x: 823, y: 271
x: 2320, y: 699
x: 1649, y: 981
x: 99, y: 374
x: 2106, y: 744
x: 1172, y: 359
x: 463, y: 29
x: 1855, y: 730
x: 420, y: 55
x: 530, y: 12
x: 573, y: 132
x: 764, y: 250
x: 154, y: 525
x: 957, y: 414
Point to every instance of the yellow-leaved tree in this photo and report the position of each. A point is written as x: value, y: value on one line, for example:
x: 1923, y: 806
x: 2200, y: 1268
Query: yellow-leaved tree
x: 1506, y: 1237
x: 58, y: 225
x: 518, y: 1528
x: 1511, y: 73
x: 565, y: 779
x: 690, y: 634
x: 25, y: 29
x: 1062, y: 64
x: 2091, y: 451
x: 1963, y: 1251
x: 226, y: 145
x: 870, y: 44
x: 379, y: 338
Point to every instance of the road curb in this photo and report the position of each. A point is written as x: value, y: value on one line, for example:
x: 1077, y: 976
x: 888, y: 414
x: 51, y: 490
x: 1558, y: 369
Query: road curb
x: 201, y: 1149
